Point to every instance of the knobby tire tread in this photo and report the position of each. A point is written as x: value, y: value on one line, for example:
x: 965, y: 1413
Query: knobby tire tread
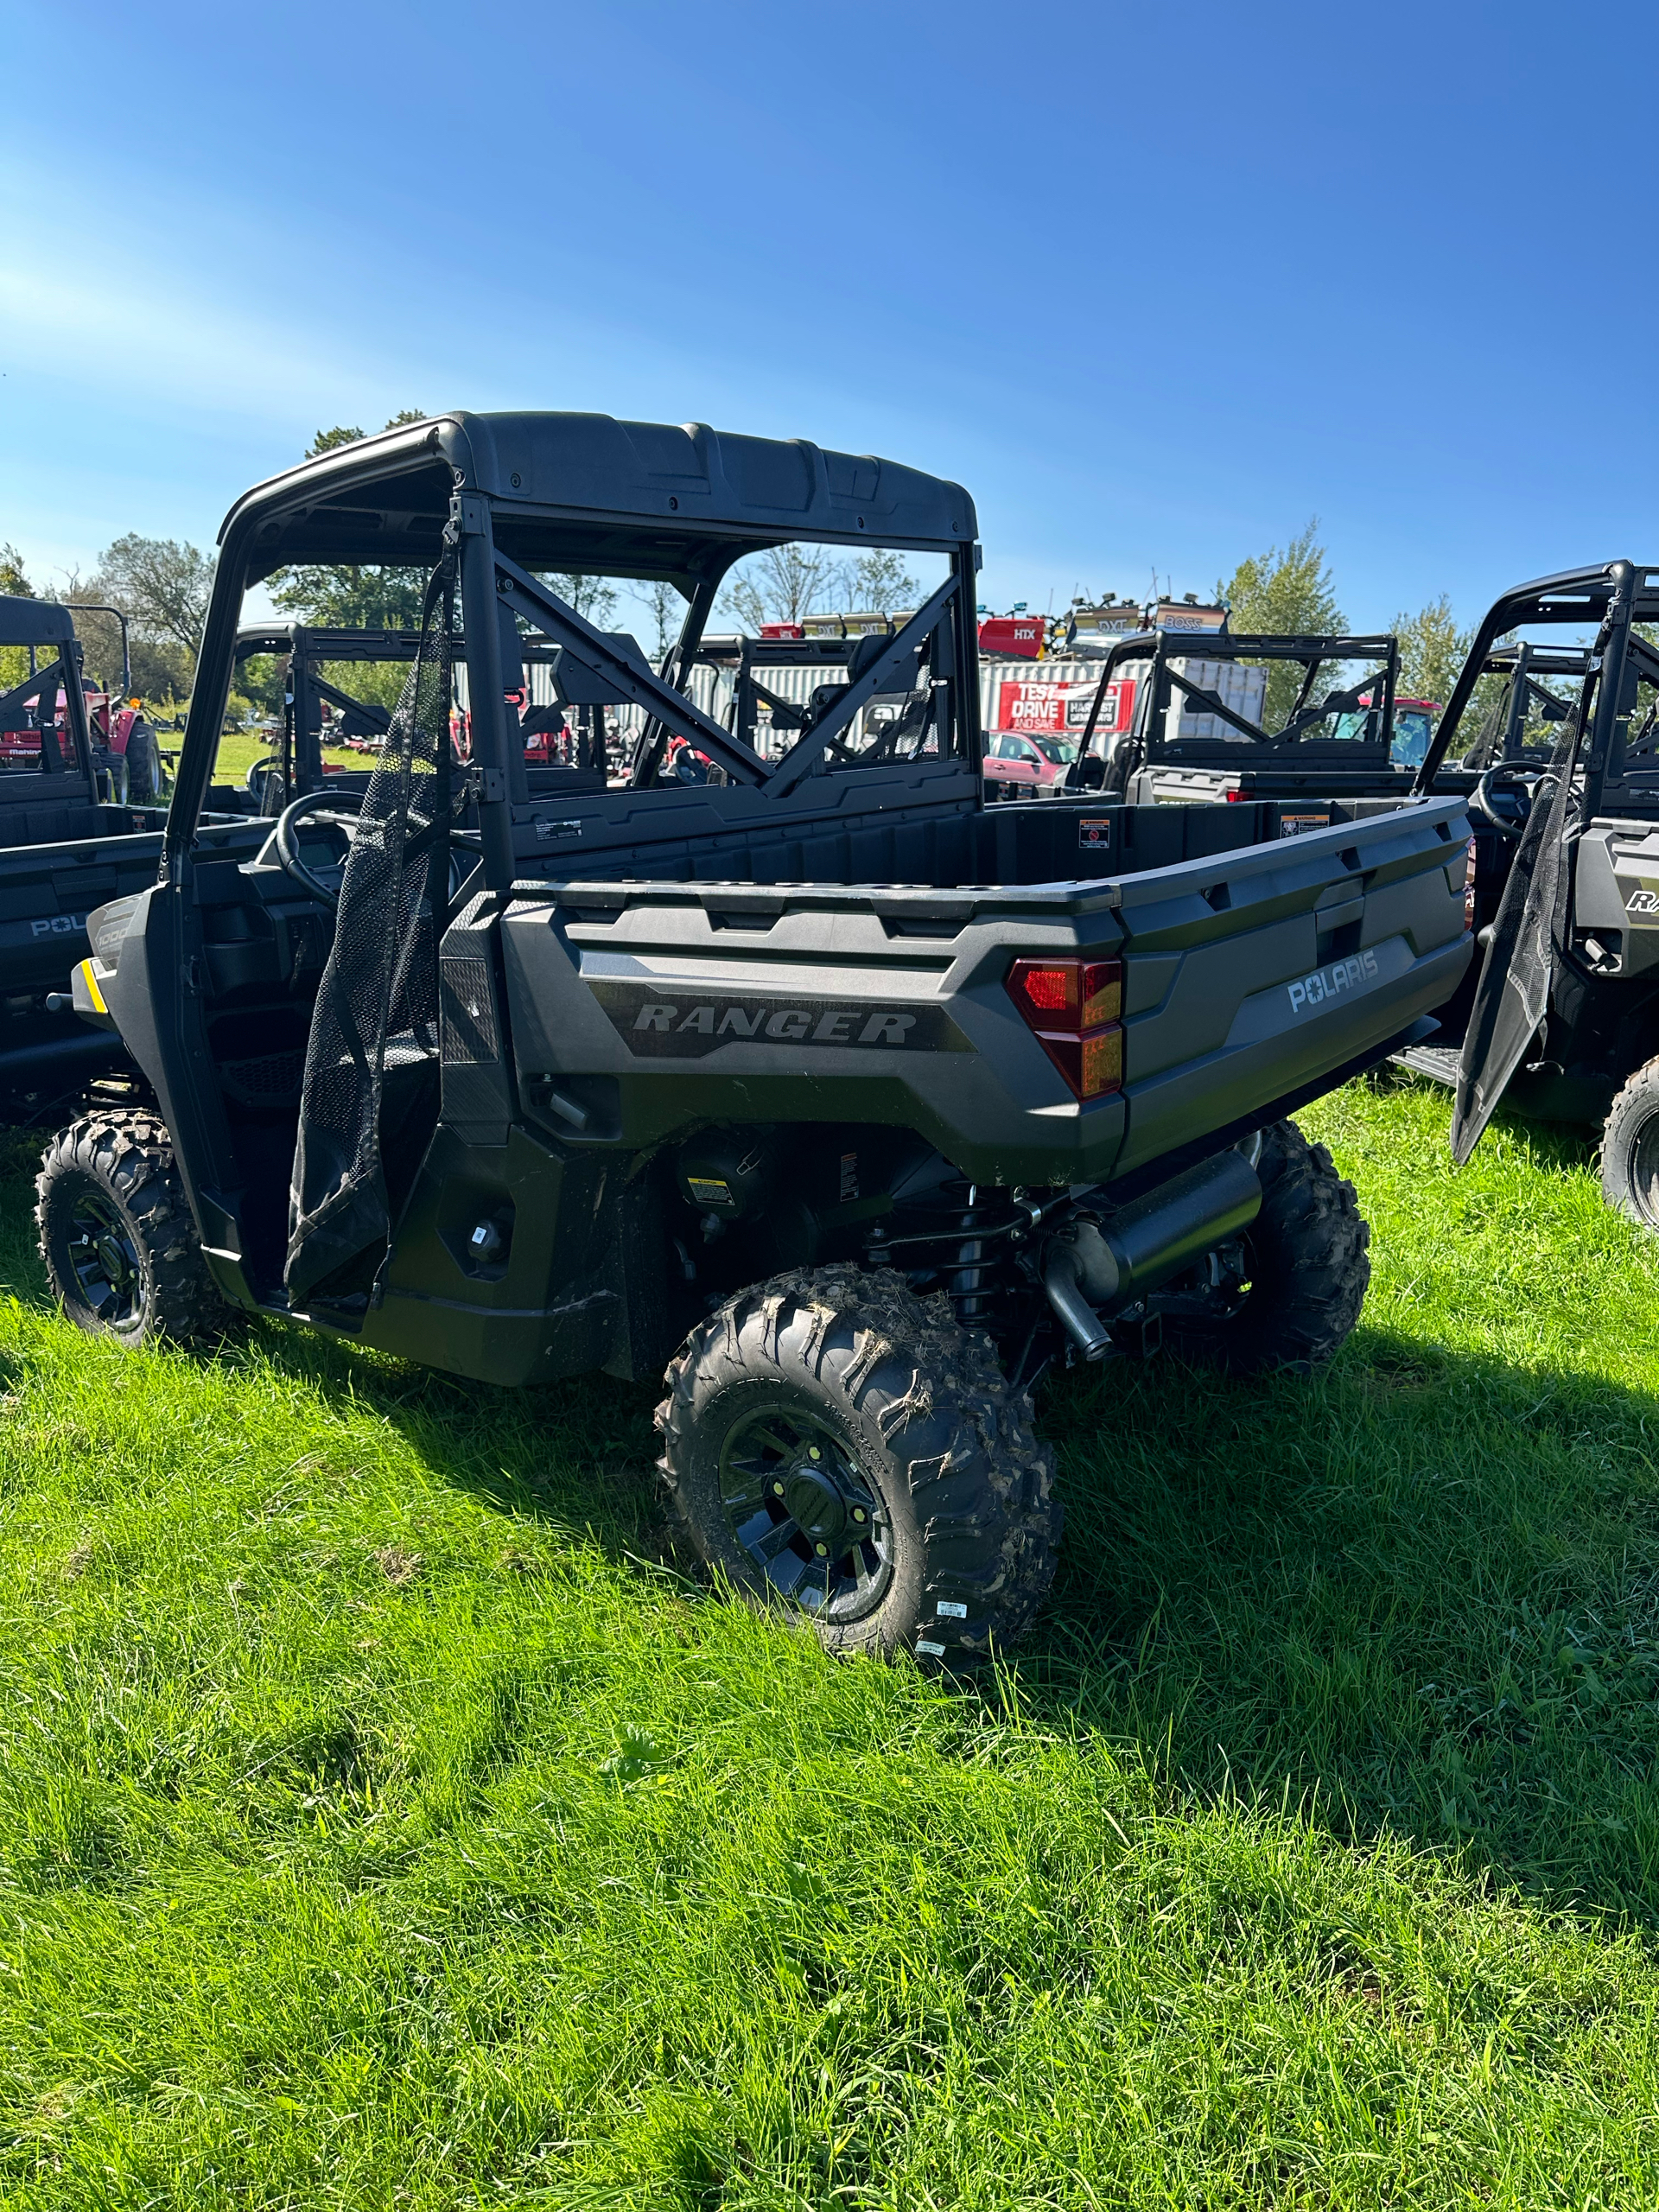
x: 1313, y: 1268
x: 962, y: 1439
x: 130, y: 1155
x: 1634, y: 1106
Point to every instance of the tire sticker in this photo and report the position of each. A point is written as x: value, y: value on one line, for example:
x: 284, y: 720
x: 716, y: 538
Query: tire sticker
x: 925, y: 1651
x: 948, y: 1610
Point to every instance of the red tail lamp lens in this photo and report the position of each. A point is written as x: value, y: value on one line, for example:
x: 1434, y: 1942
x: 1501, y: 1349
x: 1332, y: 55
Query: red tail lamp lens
x: 1067, y: 994
x: 1073, y: 1006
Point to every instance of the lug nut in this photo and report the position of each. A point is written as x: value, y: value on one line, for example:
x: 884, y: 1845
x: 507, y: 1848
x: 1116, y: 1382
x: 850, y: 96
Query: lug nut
x: 813, y: 1453
x: 858, y: 1513
x: 777, y: 1489
x: 822, y: 1550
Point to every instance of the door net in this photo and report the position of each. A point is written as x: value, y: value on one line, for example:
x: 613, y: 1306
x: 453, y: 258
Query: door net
x: 1512, y: 996
x: 370, y: 1097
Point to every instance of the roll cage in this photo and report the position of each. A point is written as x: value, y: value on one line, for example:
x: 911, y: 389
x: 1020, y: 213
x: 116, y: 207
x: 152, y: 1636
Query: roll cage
x: 513, y: 497
x: 1162, y: 683
x: 1619, y: 763
x: 1525, y: 698
x: 48, y: 632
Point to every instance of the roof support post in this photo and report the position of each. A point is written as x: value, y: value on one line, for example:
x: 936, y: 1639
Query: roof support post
x: 486, y: 699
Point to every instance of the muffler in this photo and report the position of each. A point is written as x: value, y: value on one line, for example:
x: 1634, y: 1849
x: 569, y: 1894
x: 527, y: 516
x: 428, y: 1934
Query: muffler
x: 1096, y: 1267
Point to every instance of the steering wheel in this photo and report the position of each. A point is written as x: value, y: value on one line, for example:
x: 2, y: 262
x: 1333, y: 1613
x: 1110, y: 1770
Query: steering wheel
x: 1523, y: 790
x: 334, y: 808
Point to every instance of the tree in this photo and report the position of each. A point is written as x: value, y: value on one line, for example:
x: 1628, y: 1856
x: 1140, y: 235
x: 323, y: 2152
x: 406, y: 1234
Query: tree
x: 879, y: 582
x: 1433, y: 650
x: 160, y: 585
x: 592, y: 597
x: 1286, y: 590
x: 14, y: 659
x: 666, y: 607
x: 784, y: 584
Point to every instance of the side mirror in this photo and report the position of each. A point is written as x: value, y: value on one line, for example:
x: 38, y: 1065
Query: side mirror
x: 1086, y: 774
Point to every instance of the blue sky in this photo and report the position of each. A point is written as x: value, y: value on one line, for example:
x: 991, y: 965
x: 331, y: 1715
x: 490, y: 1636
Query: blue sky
x: 1157, y: 283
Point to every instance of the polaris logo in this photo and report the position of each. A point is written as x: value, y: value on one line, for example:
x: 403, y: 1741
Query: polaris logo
x: 1325, y: 983
x: 666, y: 1021
x: 1644, y: 901
x: 58, y: 925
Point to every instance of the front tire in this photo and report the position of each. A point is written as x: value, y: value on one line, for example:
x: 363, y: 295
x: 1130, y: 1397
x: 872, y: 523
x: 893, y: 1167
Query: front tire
x: 838, y: 1445
x: 1630, y: 1149
x: 120, y: 1248
x: 1306, y: 1270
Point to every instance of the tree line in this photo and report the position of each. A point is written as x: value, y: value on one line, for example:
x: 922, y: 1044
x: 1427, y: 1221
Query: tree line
x: 1290, y: 589
x: 162, y: 585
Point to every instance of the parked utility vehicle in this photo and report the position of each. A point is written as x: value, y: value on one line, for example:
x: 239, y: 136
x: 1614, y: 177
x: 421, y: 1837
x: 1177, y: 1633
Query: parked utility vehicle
x: 1565, y: 1018
x: 1237, y: 716
x: 849, y: 1098
x: 72, y: 838
x: 1553, y: 744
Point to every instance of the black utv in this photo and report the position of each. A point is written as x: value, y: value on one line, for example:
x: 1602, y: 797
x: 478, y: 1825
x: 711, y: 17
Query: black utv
x: 1563, y: 771
x: 850, y: 1101
x: 1552, y: 741
x: 74, y: 833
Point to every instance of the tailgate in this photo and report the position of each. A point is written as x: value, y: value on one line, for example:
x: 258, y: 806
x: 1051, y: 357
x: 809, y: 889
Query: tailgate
x: 1254, y: 973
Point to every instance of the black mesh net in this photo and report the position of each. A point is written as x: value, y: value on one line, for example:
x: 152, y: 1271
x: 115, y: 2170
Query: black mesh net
x: 370, y: 1095
x: 1513, y: 994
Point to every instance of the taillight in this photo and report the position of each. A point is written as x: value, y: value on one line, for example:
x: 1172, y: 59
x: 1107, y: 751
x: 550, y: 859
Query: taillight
x: 1073, y: 1006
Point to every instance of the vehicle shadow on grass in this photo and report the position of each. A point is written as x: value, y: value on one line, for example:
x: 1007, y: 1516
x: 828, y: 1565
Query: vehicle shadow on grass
x: 1417, y: 1594
x: 1555, y: 1146
x: 579, y: 1455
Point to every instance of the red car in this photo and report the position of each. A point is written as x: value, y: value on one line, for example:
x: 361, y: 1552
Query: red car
x: 1019, y: 764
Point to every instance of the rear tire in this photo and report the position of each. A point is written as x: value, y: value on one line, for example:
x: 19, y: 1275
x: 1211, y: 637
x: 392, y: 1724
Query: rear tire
x: 838, y: 1445
x: 1307, y: 1269
x: 1630, y: 1149
x: 120, y: 1248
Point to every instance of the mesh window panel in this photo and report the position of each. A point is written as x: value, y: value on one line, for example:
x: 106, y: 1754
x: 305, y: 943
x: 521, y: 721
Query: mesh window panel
x: 361, y: 1134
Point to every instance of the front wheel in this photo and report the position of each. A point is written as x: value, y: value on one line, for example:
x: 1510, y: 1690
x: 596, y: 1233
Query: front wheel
x: 1630, y: 1149
x: 837, y: 1445
x: 120, y: 1248
x: 1288, y: 1294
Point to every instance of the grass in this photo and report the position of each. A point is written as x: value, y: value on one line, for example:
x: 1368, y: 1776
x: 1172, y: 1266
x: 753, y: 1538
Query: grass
x: 239, y: 749
x: 383, y: 1823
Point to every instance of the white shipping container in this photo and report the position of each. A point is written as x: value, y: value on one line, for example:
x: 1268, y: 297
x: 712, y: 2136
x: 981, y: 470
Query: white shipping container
x: 1241, y: 688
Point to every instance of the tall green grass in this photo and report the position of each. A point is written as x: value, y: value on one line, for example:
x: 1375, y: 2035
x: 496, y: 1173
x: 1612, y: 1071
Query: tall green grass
x: 385, y: 1821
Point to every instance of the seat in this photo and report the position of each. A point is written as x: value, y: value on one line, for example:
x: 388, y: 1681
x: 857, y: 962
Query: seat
x: 863, y: 656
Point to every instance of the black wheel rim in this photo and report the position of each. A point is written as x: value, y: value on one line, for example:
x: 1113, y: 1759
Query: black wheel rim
x: 812, y: 1522
x: 1644, y: 1173
x: 103, y: 1259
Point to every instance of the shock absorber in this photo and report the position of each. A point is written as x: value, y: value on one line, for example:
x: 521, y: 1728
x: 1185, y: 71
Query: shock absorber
x: 969, y: 1277
x: 965, y: 1252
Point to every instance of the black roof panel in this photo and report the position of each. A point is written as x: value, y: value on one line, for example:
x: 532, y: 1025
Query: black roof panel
x: 35, y: 622
x: 587, y: 491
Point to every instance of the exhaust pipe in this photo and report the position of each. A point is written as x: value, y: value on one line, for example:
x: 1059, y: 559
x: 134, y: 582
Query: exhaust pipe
x: 1095, y: 1268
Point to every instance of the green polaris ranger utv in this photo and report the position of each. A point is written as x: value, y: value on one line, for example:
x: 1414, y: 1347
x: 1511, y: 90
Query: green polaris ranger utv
x: 849, y: 1101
